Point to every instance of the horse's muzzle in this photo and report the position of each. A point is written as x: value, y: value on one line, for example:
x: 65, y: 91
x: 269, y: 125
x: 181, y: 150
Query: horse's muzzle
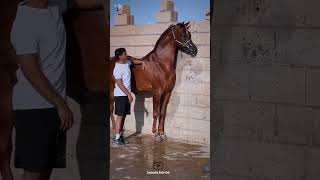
x: 194, y: 51
x: 191, y: 49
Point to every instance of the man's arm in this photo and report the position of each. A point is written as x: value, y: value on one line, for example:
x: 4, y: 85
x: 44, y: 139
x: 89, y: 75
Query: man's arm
x: 124, y: 89
x: 29, y: 64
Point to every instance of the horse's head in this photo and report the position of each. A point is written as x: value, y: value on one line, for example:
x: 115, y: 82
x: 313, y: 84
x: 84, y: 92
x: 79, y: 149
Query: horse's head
x: 183, y: 38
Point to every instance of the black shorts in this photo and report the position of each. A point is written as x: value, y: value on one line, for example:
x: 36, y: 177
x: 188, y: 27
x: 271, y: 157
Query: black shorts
x: 40, y: 144
x: 122, y: 105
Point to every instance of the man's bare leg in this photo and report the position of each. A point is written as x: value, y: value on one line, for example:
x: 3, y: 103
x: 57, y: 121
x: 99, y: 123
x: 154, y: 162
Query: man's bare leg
x: 119, y: 124
x: 122, y: 124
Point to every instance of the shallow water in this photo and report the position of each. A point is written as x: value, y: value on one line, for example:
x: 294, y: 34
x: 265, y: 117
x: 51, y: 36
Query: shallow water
x: 142, y: 157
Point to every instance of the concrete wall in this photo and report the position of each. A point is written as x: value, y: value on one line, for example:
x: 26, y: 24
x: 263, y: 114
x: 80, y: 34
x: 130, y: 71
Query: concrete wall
x: 188, y: 116
x: 266, y: 90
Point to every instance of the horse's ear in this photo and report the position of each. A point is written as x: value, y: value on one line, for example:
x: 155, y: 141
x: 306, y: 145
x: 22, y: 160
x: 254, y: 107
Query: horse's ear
x: 188, y: 24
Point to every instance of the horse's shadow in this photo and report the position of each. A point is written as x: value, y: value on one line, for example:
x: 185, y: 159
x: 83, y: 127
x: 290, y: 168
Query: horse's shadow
x: 140, y: 110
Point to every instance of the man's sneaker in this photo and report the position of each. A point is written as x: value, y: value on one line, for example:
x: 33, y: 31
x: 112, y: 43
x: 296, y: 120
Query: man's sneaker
x: 123, y: 139
x: 119, y: 141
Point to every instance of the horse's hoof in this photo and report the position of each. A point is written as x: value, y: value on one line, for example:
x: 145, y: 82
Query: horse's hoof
x: 163, y: 137
x: 157, y: 137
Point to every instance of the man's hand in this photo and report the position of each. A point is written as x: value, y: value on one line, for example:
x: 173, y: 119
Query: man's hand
x: 66, y: 116
x: 137, y: 61
x: 130, y: 98
x: 124, y: 89
x: 30, y: 67
x: 143, y: 65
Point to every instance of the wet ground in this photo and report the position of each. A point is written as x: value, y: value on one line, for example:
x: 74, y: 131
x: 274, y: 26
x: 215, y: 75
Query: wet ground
x: 143, y: 158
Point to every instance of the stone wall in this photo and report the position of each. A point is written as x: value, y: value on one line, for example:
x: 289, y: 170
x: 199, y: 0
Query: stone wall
x: 266, y: 84
x: 188, y: 116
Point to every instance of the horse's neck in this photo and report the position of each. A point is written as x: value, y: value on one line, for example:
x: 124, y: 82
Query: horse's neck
x: 166, y: 51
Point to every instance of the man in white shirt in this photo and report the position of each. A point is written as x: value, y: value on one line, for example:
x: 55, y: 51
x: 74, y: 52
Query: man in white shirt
x: 122, y: 91
x: 42, y: 115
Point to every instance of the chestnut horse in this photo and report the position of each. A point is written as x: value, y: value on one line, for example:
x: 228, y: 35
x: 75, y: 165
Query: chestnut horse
x: 159, y: 76
x: 7, y: 81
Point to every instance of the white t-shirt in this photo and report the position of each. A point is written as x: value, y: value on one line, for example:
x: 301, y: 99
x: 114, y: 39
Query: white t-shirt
x: 39, y: 31
x: 122, y: 71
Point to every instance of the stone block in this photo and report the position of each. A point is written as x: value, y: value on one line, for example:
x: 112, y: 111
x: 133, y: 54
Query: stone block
x: 189, y: 112
x: 175, y: 16
x: 122, y: 19
x: 131, y: 22
x: 193, y: 76
x: 203, y: 52
x: 164, y: 16
x: 313, y: 86
x: 195, y: 64
x: 125, y: 9
x: 244, y: 119
x: 250, y: 46
x: 275, y: 161
x: 138, y: 40
x: 315, y: 112
x: 278, y: 84
x: 301, y: 46
x: 231, y: 82
x: 231, y: 12
x: 166, y: 5
x: 232, y: 157
x: 193, y: 88
x: 284, y: 13
x: 312, y: 164
x: 295, y: 124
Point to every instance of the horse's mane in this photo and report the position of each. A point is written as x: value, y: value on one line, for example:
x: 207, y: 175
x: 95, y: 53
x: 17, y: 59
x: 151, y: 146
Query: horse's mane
x: 165, y: 32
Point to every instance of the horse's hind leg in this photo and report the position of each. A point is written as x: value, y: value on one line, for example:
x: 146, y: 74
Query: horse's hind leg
x: 5, y: 154
x: 6, y: 126
x: 111, y: 111
x: 162, y: 117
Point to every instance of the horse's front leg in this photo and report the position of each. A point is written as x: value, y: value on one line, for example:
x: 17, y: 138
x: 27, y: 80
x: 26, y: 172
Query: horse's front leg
x: 156, y: 111
x: 163, y: 113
